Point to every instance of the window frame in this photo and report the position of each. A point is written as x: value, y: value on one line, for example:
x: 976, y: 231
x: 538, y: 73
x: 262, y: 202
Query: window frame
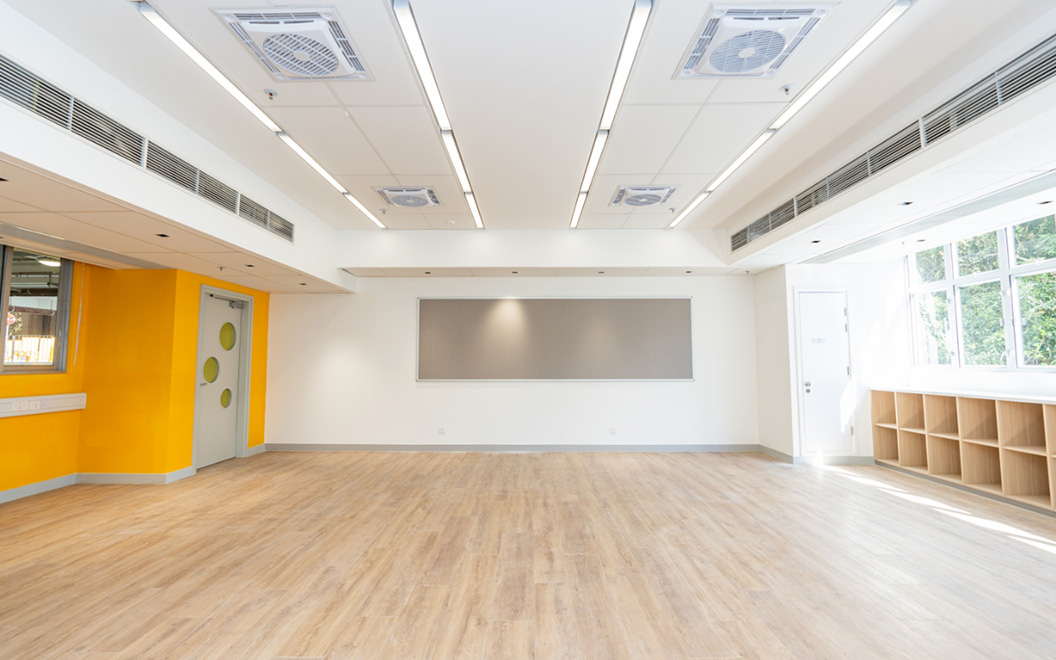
x: 1007, y: 274
x: 62, y: 316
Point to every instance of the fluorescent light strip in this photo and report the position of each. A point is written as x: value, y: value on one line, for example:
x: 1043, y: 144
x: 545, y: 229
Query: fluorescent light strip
x: 631, y: 41
x: 578, y: 211
x: 745, y: 155
x: 472, y: 201
x: 594, y: 160
x: 842, y: 62
x: 297, y: 149
x: 456, y: 160
x: 190, y: 51
x: 413, y: 38
x: 359, y: 205
x: 689, y: 209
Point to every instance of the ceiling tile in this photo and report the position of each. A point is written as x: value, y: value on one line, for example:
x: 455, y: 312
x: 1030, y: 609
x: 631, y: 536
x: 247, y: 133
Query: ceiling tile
x: 406, y: 138
x: 331, y: 138
x: 451, y: 221
x: 146, y: 228
x: 60, y: 226
x: 11, y: 206
x: 718, y: 134
x: 639, y: 220
x: 644, y: 136
x: 240, y: 261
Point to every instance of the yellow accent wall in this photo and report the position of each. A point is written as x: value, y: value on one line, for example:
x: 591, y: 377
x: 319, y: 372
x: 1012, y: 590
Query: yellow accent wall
x: 40, y: 447
x: 136, y: 361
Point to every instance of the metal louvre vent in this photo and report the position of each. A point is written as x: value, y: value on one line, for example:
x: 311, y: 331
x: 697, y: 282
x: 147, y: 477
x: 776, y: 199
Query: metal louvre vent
x: 96, y: 127
x: 1027, y: 71
x: 173, y: 168
x: 250, y: 210
x: 42, y: 98
x: 33, y: 94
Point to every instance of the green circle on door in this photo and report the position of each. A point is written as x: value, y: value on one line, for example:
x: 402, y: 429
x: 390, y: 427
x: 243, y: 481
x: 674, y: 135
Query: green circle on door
x: 227, y: 336
x: 211, y: 370
x: 225, y: 398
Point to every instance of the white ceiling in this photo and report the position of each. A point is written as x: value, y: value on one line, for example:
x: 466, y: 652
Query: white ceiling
x: 524, y: 84
x: 62, y: 220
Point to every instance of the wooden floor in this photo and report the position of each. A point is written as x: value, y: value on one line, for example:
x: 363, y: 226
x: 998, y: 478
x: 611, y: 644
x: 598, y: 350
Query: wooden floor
x: 577, y: 556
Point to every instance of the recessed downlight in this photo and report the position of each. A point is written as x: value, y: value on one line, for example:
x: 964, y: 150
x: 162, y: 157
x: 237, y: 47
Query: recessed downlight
x: 250, y: 266
x: 815, y: 242
x: 162, y: 235
x: 906, y: 204
x: 1047, y: 201
x: 50, y: 263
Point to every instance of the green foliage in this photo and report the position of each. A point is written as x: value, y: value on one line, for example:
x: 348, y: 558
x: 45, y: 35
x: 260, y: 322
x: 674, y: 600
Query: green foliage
x: 977, y: 254
x: 983, y: 333
x: 933, y: 310
x: 1035, y: 240
x: 1037, y: 307
x: 931, y: 264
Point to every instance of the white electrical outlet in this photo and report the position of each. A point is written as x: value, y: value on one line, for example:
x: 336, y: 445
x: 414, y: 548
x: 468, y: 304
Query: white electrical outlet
x: 19, y: 406
x: 441, y: 430
x: 612, y: 430
x: 34, y: 405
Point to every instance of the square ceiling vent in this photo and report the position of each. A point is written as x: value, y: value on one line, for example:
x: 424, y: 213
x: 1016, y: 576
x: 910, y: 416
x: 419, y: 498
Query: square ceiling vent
x: 307, y: 44
x: 747, y: 42
x: 411, y: 198
x: 641, y: 195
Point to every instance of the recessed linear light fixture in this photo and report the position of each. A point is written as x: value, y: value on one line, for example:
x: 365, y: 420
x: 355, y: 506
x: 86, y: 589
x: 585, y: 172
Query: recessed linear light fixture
x: 413, y: 38
x: 632, y: 40
x: 166, y: 28
x: 812, y: 90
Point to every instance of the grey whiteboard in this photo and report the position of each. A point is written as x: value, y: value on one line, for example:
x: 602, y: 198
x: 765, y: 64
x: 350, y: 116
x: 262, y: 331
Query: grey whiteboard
x: 554, y: 339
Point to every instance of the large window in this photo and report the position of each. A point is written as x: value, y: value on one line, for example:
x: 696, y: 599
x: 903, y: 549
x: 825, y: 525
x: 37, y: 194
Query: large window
x: 987, y: 300
x: 34, y: 302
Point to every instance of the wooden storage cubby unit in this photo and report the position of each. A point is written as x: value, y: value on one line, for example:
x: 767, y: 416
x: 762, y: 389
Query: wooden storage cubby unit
x: 999, y: 446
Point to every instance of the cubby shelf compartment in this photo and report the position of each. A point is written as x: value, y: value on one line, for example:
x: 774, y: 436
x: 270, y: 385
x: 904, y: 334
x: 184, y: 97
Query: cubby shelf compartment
x: 1020, y: 424
x: 1001, y: 447
x: 885, y: 444
x: 981, y: 467
x: 977, y: 419
x: 909, y: 411
x: 1025, y: 477
x: 944, y: 457
x: 940, y: 415
x: 912, y: 450
x: 883, y: 408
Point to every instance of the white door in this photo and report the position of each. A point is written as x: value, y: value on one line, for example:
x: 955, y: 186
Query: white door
x: 826, y: 394
x: 216, y: 411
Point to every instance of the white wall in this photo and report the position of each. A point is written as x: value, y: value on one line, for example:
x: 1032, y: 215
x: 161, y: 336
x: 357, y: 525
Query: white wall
x: 773, y: 360
x: 879, y: 343
x: 341, y: 369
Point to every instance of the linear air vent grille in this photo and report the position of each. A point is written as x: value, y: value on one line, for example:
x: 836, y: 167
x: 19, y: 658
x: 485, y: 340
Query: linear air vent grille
x: 1030, y: 69
x: 42, y: 98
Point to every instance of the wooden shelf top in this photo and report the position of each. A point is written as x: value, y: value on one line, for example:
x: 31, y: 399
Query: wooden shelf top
x: 953, y: 478
x: 887, y: 461
x: 913, y: 429
x: 886, y: 425
x: 915, y: 468
x: 981, y: 441
x: 996, y: 396
x: 948, y: 436
x: 1037, y: 451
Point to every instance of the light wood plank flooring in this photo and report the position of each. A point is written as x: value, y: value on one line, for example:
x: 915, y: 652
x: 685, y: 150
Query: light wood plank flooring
x: 574, y: 556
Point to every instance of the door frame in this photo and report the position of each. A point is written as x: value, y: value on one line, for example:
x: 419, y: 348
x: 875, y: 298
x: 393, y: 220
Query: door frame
x: 245, y: 354
x: 797, y: 381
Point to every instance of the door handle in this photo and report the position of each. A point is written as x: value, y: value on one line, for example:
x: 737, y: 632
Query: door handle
x: 806, y: 384
x: 202, y: 384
